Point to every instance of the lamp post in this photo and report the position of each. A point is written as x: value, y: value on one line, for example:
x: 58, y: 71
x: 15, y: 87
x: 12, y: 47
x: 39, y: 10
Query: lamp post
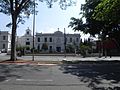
x: 33, y: 32
x: 64, y: 42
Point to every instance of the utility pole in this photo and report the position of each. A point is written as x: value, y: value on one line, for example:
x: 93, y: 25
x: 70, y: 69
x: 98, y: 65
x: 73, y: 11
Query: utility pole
x: 65, y: 42
x: 33, y: 32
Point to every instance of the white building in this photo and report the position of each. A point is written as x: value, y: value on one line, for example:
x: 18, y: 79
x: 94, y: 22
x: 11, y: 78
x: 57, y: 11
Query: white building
x: 5, y: 41
x: 56, y: 40
x: 26, y: 39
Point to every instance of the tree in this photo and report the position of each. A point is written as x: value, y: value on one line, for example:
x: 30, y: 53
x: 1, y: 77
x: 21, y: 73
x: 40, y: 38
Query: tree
x: 91, y: 25
x: 70, y: 48
x: 93, y: 11
x: 84, y: 48
x: 108, y: 10
x: 18, y: 9
x: 45, y: 46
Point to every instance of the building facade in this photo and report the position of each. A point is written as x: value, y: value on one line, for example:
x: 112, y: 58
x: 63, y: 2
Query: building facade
x: 56, y: 41
x: 5, y: 41
x: 26, y: 40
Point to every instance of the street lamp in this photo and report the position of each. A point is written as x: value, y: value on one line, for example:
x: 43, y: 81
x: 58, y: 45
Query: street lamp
x: 33, y: 31
x: 65, y: 42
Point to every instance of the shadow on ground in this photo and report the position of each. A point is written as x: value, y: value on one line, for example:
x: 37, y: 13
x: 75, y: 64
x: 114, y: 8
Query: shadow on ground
x: 96, y: 76
x: 6, y: 72
x: 17, y: 71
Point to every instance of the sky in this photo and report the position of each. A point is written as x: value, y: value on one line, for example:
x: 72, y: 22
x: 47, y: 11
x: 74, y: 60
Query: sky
x: 48, y: 20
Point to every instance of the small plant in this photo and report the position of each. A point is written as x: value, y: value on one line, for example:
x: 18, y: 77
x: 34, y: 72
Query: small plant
x: 45, y: 47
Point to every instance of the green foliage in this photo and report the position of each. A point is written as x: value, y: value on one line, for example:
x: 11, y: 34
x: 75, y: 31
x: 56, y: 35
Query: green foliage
x: 84, y: 47
x: 91, y: 25
x: 45, y: 46
x: 70, y: 48
x: 21, y: 48
x: 63, y: 3
x: 108, y: 10
x: 21, y: 8
x: 102, y: 18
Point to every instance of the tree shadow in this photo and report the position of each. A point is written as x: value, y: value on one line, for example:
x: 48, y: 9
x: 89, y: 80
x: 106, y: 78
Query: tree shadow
x: 6, y: 71
x: 96, y: 76
x: 16, y: 71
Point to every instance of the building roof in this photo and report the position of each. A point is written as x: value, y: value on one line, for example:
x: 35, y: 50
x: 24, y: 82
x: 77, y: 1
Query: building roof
x: 57, y: 33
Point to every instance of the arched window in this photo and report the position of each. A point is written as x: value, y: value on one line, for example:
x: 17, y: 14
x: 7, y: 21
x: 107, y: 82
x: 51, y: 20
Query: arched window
x: 3, y: 46
x: 38, y: 39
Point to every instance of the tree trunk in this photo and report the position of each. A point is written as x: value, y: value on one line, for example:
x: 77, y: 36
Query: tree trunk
x: 13, y: 38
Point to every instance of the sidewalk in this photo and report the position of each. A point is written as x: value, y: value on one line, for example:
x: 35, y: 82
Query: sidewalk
x: 98, y: 59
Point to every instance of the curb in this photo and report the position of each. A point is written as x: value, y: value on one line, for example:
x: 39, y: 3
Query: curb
x: 29, y: 62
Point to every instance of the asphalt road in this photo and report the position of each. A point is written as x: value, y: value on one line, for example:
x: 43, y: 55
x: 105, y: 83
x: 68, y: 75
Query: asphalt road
x: 60, y: 77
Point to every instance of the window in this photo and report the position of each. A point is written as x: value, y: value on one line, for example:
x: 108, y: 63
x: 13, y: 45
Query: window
x: 27, y: 43
x: 50, y: 47
x: 3, y: 46
x: 38, y: 39
x: 77, y: 39
x: 45, y: 39
x: 50, y: 39
x: 70, y: 39
x: 27, y: 38
x: 4, y: 37
x: 27, y: 32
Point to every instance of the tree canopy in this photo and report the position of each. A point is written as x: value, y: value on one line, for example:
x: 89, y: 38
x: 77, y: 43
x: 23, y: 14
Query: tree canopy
x: 97, y: 20
x: 108, y: 10
x: 19, y: 9
x: 87, y: 25
x: 44, y: 46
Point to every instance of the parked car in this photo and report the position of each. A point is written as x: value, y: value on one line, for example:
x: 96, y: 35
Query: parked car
x: 3, y: 51
x: 27, y: 51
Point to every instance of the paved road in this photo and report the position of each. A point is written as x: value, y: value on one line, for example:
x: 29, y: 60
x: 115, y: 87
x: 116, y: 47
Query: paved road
x: 62, y: 77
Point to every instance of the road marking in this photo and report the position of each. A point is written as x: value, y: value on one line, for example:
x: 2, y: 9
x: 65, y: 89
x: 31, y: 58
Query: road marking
x: 36, y: 64
x: 46, y: 64
x: 64, y: 59
x: 30, y: 80
x: 21, y: 63
x: 7, y: 80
